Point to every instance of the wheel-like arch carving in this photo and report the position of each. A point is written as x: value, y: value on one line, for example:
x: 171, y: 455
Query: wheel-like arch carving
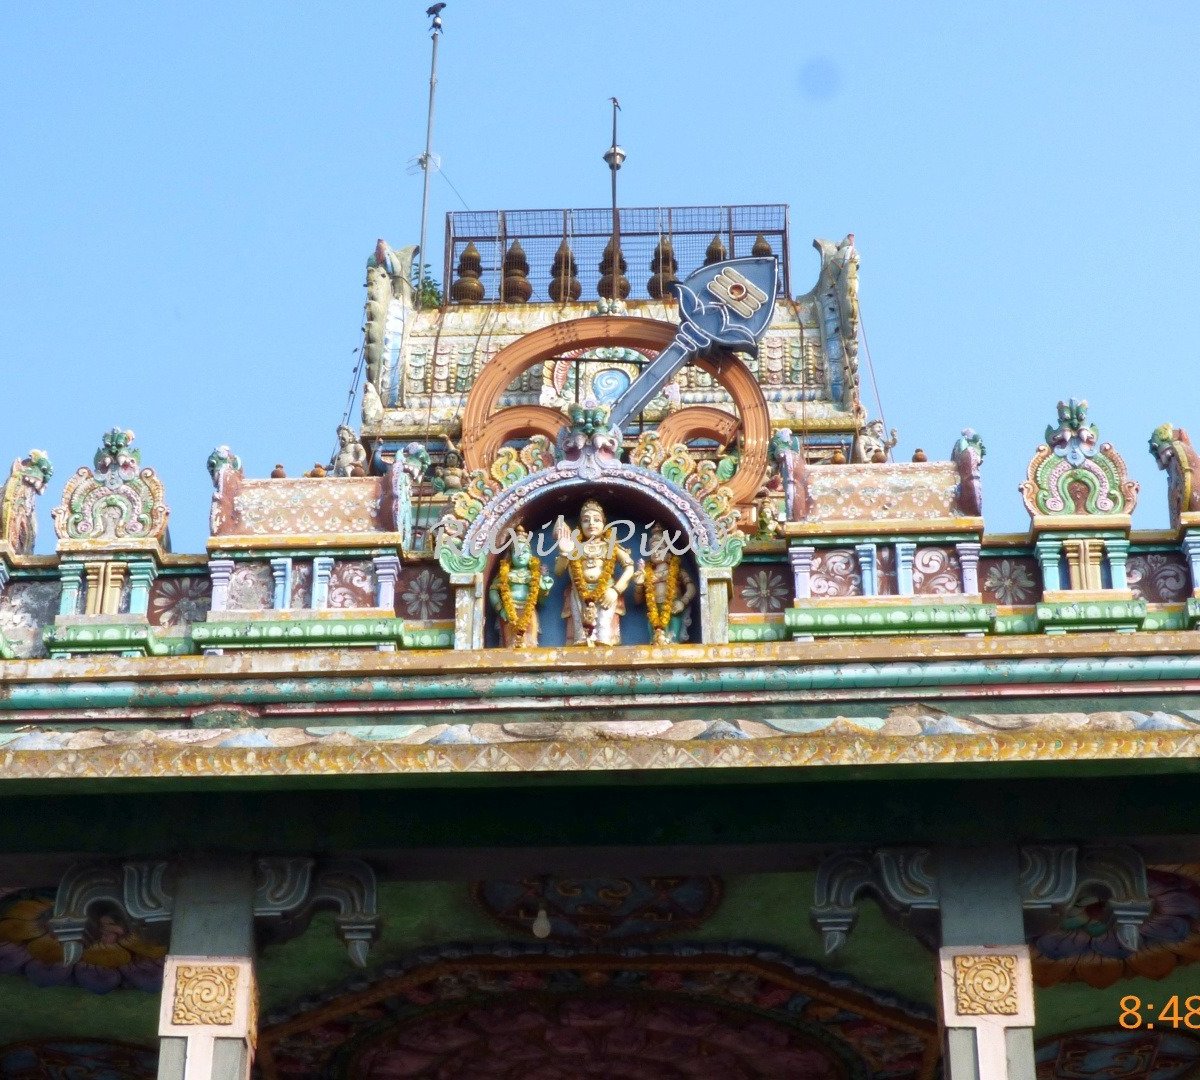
x: 517, y: 422
x: 699, y: 422
x: 480, y: 413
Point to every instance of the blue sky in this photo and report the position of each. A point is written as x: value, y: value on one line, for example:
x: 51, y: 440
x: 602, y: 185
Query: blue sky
x: 189, y: 192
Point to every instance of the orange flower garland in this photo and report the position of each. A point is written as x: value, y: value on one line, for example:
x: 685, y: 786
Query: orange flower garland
x: 593, y: 594
x: 520, y: 620
x: 660, y: 617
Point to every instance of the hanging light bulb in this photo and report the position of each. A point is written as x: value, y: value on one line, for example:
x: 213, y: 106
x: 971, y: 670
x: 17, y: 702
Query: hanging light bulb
x: 541, y: 924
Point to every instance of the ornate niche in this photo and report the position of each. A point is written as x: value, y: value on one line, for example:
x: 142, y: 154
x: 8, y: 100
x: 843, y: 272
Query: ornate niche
x: 542, y: 501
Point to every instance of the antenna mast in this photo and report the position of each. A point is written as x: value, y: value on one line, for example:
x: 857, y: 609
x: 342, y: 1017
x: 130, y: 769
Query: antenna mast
x: 426, y: 159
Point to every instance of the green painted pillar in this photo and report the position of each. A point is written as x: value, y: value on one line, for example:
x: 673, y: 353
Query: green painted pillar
x: 985, y: 980
x: 208, y: 1018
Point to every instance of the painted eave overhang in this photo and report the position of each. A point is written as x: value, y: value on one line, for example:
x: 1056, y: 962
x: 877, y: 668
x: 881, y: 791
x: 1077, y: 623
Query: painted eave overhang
x: 877, y: 707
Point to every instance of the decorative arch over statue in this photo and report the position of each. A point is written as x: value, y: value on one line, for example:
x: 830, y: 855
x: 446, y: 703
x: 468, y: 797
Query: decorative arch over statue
x: 695, y: 505
x: 485, y: 429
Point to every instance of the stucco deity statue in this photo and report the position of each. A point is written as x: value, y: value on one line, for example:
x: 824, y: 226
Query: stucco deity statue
x: 600, y: 572
x: 519, y: 587
x: 873, y: 443
x: 666, y: 589
x: 351, y: 457
x: 451, y: 476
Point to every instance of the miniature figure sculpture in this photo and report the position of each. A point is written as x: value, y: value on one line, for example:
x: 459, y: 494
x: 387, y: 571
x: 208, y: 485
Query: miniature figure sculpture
x: 666, y: 589
x: 1172, y: 449
x: 351, y: 457
x: 872, y: 441
x: 451, y: 476
x: 519, y: 587
x: 594, y: 602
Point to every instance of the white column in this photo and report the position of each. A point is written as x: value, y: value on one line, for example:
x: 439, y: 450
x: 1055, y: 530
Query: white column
x: 985, y: 990
x: 208, y: 1015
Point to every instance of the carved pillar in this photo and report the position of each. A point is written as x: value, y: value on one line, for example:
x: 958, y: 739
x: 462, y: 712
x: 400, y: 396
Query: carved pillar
x: 1191, y: 551
x: 220, y: 571
x: 468, y: 610
x: 322, y: 571
x: 281, y: 574
x: 1118, y: 556
x: 3, y: 576
x: 802, y: 560
x: 968, y: 564
x: 986, y: 990
x: 94, y: 576
x: 868, y: 568
x: 141, y: 576
x: 208, y: 1021
x: 716, y: 585
x: 112, y: 576
x: 1048, y: 552
x: 387, y: 570
x: 1073, y: 552
x: 71, y: 575
x: 981, y: 894
x: 906, y: 551
x: 1093, y: 561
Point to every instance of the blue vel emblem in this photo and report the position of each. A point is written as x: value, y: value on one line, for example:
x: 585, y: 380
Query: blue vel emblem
x: 726, y: 305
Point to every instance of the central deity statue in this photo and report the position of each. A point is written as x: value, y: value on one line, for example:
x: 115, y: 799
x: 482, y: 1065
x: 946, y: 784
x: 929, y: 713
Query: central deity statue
x: 594, y: 600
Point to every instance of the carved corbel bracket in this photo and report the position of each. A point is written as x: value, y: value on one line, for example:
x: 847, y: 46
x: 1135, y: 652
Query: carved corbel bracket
x: 137, y: 888
x: 1051, y: 877
x: 290, y: 889
x: 901, y: 877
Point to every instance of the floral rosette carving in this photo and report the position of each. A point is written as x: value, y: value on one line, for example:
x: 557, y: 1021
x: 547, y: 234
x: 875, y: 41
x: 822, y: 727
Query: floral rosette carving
x: 114, y: 500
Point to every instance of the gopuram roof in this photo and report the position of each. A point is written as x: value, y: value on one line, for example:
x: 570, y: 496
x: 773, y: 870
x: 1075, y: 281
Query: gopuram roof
x: 617, y: 573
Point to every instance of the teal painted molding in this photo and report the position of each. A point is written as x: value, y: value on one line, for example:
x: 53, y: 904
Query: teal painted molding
x: 126, y: 638
x: 914, y: 618
x: 6, y: 652
x: 767, y: 679
x: 750, y: 632
x: 290, y: 633
x: 1067, y: 615
x: 1192, y: 612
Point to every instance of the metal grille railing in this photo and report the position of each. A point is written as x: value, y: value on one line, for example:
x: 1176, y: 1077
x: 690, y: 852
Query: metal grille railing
x: 689, y: 228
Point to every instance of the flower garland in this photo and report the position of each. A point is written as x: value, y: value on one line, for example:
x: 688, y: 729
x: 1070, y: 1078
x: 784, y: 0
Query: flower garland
x: 593, y: 594
x: 520, y: 620
x: 660, y: 617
